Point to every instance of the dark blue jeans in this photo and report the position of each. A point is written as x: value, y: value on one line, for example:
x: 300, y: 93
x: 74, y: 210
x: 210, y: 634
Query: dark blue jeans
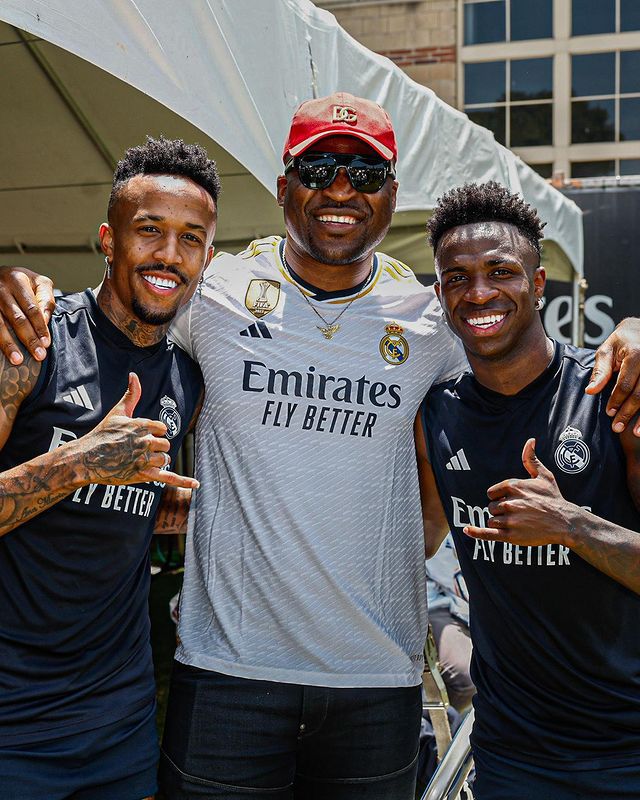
x: 239, y: 739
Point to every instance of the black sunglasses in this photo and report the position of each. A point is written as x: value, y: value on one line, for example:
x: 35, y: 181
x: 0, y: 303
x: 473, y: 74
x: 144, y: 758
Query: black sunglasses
x: 318, y: 170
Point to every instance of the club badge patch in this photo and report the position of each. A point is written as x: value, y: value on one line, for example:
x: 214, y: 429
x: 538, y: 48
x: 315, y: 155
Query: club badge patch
x: 169, y: 415
x: 262, y: 296
x: 572, y: 454
x: 394, y: 348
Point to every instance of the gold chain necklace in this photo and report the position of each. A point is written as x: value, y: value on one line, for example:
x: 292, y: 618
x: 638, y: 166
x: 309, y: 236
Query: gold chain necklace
x: 329, y: 329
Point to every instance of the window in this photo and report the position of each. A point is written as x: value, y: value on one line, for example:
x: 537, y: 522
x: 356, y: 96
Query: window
x: 544, y: 170
x: 605, y: 88
x: 593, y: 169
x: 599, y: 169
x: 593, y: 16
x: 629, y: 15
x: 507, y: 20
x: 484, y: 22
x: 512, y: 99
x: 604, y: 16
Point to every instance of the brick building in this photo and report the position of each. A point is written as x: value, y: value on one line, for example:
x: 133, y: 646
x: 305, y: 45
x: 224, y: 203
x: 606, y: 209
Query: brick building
x: 558, y: 81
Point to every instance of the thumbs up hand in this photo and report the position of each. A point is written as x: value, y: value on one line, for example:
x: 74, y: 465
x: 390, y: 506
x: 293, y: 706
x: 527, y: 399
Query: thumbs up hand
x: 124, y: 449
x: 528, y: 511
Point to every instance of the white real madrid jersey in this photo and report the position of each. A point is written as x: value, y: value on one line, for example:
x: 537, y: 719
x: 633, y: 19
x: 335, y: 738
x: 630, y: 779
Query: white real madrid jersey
x: 305, y: 555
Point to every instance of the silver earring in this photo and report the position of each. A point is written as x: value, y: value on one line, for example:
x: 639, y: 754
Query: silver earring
x: 108, y: 263
x: 539, y: 303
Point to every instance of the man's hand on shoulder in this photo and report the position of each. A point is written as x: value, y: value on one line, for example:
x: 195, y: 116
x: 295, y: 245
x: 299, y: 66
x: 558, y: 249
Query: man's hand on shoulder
x: 620, y: 352
x: 26, y: 305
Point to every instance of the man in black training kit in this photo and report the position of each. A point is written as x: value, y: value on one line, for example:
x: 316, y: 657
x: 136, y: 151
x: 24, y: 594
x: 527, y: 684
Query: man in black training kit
x: 551, y: 557
x: 82, y: 475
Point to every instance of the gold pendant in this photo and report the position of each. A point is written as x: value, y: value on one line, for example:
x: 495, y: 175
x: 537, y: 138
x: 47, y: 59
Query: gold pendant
x: 328, y: 331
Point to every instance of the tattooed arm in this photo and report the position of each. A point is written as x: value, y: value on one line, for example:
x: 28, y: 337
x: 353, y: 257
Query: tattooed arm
x: 119, y: 450
x: 533, y: 512
x: 173, y: 512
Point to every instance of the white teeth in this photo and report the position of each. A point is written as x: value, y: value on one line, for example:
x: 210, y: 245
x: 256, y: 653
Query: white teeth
x: 336, y: 218
x: 485, y: 322
x: 162, y: 283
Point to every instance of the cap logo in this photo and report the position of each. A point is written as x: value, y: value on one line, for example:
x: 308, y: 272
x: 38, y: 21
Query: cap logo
x: 345, y: 114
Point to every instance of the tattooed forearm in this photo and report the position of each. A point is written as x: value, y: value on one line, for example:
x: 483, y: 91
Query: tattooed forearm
x: 31, y: 488
x: 173, y: 512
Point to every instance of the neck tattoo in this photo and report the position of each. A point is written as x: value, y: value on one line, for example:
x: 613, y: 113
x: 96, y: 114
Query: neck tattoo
x: 329, y: 329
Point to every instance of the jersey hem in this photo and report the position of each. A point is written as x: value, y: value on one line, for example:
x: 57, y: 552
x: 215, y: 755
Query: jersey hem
x: 91, y: 723
x: 569, y: 764
x: 305, y: 678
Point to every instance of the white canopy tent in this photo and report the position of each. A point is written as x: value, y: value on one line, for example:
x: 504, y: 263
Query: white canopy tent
x: 84, y: 79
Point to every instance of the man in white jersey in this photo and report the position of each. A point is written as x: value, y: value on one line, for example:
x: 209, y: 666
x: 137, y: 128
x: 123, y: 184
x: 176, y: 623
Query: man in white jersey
x: 303, y: 613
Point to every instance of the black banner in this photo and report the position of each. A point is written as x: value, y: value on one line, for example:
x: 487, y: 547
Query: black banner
x: 611, y: 265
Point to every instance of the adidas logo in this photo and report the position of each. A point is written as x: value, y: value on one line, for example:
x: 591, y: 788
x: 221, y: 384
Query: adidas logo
x: 258, y: 330
x: 78, y: 397
x: 458, y: 462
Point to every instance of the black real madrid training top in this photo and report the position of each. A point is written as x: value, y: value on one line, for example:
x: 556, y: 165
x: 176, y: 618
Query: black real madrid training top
x: 74, y: 627
x: 556, y: 656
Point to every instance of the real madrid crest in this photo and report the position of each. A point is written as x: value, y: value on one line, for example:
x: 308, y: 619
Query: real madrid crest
x: 572, y: 454
x: 262, y: 296
x: 394, y: 348
x: 169, y: 415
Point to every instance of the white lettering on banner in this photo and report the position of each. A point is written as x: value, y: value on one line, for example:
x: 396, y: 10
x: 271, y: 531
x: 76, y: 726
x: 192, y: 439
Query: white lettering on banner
x: 558, y: 312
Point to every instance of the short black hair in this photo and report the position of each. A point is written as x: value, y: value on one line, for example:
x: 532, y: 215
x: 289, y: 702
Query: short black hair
x: 166, y: 157
x: 484, y: 202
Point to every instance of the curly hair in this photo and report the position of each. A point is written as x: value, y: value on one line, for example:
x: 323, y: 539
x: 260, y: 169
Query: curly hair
x: 166, y: 157
x: 484, y: 202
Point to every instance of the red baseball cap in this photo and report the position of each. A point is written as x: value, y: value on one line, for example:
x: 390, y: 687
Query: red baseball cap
x: 341, y: 114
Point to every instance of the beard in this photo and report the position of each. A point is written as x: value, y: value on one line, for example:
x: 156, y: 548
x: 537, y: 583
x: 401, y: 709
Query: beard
x: 149, y: 317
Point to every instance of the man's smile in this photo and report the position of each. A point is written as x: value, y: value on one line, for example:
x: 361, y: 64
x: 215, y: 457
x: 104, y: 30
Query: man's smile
x: 485, y: 322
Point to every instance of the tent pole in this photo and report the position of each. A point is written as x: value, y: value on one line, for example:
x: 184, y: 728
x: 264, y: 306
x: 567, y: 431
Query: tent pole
x: 67, y: 99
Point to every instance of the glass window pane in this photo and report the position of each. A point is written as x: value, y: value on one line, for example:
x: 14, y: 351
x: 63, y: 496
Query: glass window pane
x: 593, y: 16
x: 484, y: 22
x: 531, y: 20
x: 629, y: 15
x: 492, y: 118
x: 531, y: 78
x: 594, y: 73
x: 630, y: 70
x: 630, y: 119
x: 543, y: 170
x: 484, y: 83
x: 592, y: 169
x: 630, y: 166
x: 592, y: 121
x: 531, y: 125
